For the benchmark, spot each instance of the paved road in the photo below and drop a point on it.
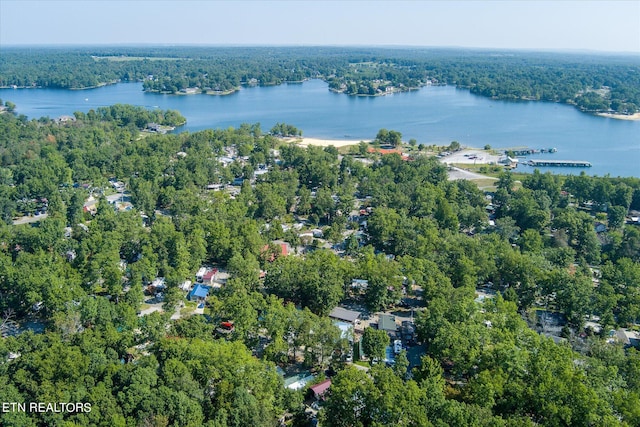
(29, 219)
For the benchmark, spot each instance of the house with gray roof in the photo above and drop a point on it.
(344, 315)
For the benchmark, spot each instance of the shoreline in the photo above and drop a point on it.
(631, 117)
(323, 142)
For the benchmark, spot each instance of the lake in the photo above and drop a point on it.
(431, 115)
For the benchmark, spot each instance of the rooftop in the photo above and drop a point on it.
(340, 313)
(320, 388)
(387, 322)
(296, 382)
(199, 291)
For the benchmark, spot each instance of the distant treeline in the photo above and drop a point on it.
(591, 82)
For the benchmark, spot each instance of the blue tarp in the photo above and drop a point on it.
(199, 291)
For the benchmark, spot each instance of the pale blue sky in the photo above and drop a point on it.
(592, 25)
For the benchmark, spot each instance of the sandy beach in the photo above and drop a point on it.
(305, 142)
(635, 116)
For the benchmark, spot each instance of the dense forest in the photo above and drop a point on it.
(82, 273)
(594, 83)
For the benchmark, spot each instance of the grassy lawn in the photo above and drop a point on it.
(189, 308)
(185, 311)
(488, 184)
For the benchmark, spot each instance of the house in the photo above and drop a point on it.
(90, 208)
(186, 285)
(384, 151)
(226, 160)
(259, 172)
(344, 315)
(199, 293)
(190, 90)
(209, 276)
(215, 187)
(387, 323)
(158, 285)
(282, 246)
(65, 119)
(508, 161)
(628, 338)
(154, 127)
(600, 227)
(320, 389)
(359, 284)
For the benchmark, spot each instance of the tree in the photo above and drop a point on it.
(505, 181)
(352, 396)
(316, 282)
(390, 137)
(401, 365)
(531, 241)
(374, 343)
(616, 216)
(324, 205)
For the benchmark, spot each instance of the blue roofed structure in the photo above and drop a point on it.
(199, 293)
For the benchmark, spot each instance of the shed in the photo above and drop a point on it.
(344, 315)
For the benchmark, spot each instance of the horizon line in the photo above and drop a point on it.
(312, 45)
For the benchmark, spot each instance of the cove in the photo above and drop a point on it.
(431, 115)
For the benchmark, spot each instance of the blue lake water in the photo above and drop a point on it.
(431, 115)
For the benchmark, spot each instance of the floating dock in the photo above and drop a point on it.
(562, 163)
(525, 151)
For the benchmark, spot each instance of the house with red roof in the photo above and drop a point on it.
(283, 247)
(209, 276)
(320, 389)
